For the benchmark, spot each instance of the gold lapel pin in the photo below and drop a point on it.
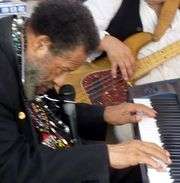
(21, 115)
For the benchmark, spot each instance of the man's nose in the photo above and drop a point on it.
(59, 80)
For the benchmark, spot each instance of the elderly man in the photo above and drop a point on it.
(36, 142)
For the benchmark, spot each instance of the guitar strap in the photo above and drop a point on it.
(167, 14)
(127, 20)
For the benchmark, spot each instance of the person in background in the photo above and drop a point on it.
(117, 20)
(36, 54)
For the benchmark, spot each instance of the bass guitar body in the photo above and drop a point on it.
(94, 84)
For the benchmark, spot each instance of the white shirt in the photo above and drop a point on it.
(104, 10)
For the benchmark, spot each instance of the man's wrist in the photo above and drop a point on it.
(105, 42)
(106, 115)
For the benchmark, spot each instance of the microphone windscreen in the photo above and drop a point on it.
(67, 92)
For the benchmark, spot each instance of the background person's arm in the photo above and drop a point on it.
(118, 53)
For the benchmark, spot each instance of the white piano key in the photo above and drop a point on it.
(155, 176)
(149, 133)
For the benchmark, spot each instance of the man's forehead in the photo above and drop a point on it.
(70, 61)
(77, 52)
(72, 57)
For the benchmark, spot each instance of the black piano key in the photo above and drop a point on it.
(169, 116)
(176, 177)
(167, 132)
(167, 120)
(164, 131)
(176, 161)
(170, 104)
(164, 109)
(164, 101)
(175, 171)
(174, 154)
(170, 142)
(175, 167)
(170, 135)
(168, 146)
(176, 181)
(169, 127)
(171, 139)
(168, 123)
(175, 157)
(160, 101)
(163, 137)
(171, 146)
(167, 110)
(174, 151)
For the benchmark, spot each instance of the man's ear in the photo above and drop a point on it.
(42, 44)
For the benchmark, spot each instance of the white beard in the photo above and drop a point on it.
(32, 79)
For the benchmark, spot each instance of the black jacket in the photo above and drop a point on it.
(22, 158)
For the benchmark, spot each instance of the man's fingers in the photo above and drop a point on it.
(146, 159)
(155, 146)
(157, 153)
(127, 63)
(132, 60)
(114, 68)
(143, 109)
(129, 68)
(131, 56)
(123, 71)
(132, 118)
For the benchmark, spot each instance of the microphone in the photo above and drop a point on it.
(67, 94)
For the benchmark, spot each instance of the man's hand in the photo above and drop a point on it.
(119, 55)
(136, 152)
(126, 113)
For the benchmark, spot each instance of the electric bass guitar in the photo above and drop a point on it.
(93, 81)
